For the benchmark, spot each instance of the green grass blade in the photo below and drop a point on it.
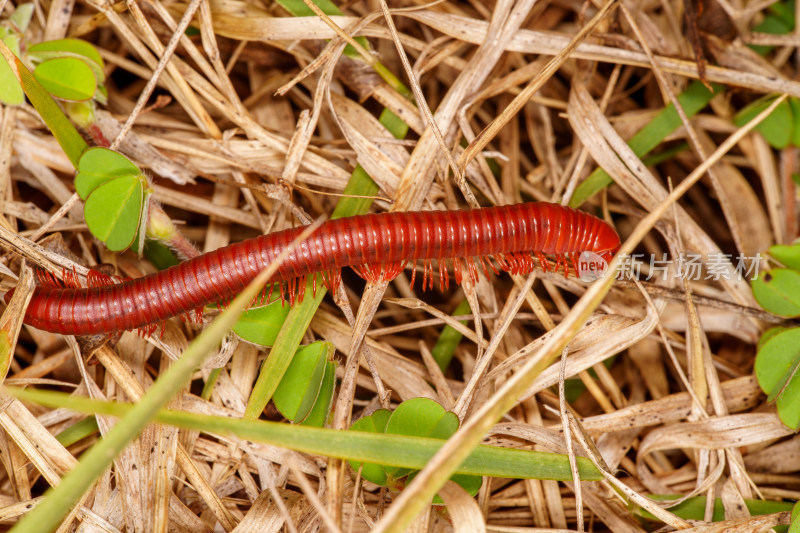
(286, 344)
(394, 450)
(693, 99)
(695, 508)
(59, 500)
(449, 338)
(78, 431)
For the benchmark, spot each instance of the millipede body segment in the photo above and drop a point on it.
(378, 246)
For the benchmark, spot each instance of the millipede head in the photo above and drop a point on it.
(606, 242)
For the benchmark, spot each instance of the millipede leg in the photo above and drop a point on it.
(71, 279)
(301, 288)
(335, 280)
(543, 261)
(95, 278)
(392, 270)
(484, 262)
(362, 271)
(523, 263)
(574, 258)
(473, 269)
(330, 279)
(47, 279)
(559, 263)
(507, 263)
(503, 262)
(457, 269)
(292, 288)
(491, 265)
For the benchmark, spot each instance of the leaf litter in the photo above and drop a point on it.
(700, 428)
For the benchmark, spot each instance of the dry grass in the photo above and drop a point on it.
(542, 92)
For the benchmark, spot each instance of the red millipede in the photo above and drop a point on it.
(377, 246)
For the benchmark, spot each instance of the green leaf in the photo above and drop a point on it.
(67, 78)
(787, 255)
(423, 417)
(777, 128)
(420, 417)
(159, 255)
(11, 39)
(62, 129)
(779, 21)
(113, 211)
(300, 386)
(417, 417)
(776, 361)
(692, 100)
(319, 414)
(778, 291)
(788, 404)
(375, 423)
(73, 46)
(784, 11)
(260, 325)
(794, 524)
(100, 165)
(794, 104)
(767, 335)
(10, 89)
(76, 49)
(471, 484)
(776, 371)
